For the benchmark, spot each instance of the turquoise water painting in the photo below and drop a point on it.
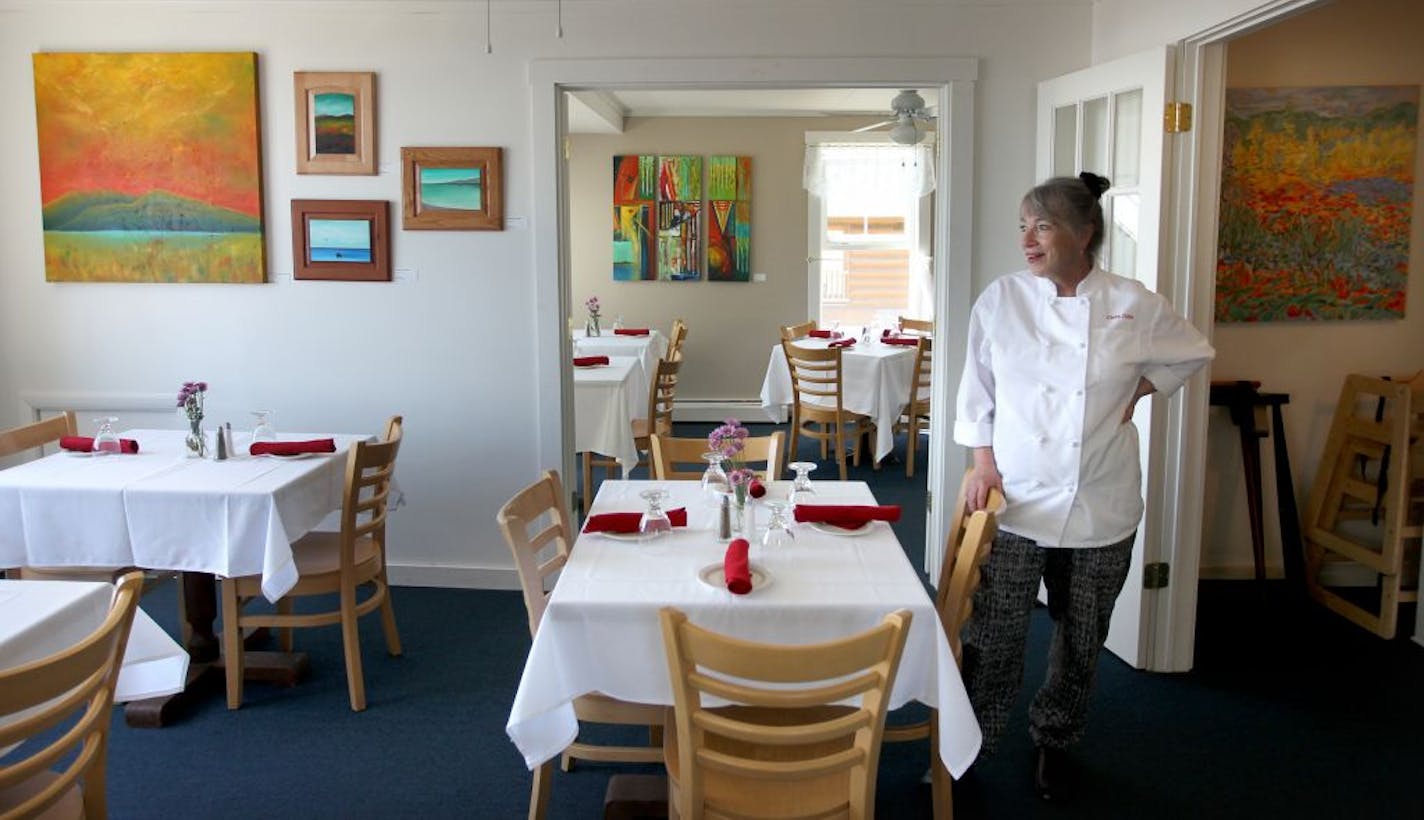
(451, 189)
(340, 240)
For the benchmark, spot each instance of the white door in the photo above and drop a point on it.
(1108, 119)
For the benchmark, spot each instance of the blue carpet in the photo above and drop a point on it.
(1290, 711)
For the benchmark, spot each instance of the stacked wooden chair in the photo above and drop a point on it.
(1366, 508)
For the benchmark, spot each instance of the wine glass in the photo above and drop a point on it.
(835, 328)
(106, 440)
(778, 529)
(801, 490)
(714, 478)
(263, 429)
(654, 522)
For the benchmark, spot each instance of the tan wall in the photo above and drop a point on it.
(1353, 42)
(731, 325)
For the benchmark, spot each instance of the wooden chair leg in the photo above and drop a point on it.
(539, 790)
(566, 762)
(351, 647)
(941, 787)
(232, 644)
(388, 618)
(284, 634)
(840, 450)
(791, 454)
(587, 481)
(910, 446)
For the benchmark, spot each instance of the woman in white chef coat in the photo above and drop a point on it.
(1058, 356)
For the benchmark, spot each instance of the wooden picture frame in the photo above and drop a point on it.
(341, 240)
(336, 122)
(452, 189)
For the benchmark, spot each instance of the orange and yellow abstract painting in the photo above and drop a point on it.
(1317, 188)
(150, 167)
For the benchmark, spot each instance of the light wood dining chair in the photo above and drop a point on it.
(662, 391)
(328, 563)
(668, 452)
(66, 699)
(791, 333)
(916, 327)
(676, 337)
(537, 527)
(774, 753)
(36, 435)
(817, 398)
(916, 415)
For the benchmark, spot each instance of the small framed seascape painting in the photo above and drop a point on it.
(341, 240)
(336, 122)
(452, 189)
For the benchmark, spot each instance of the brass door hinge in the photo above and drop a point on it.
(1177, 117)
(1155, 575)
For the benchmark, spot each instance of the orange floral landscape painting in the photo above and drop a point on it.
(150, 167)
(1317, 189)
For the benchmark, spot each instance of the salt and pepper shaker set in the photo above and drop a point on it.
(724, 522)
(224, 447)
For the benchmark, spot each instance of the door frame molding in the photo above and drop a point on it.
(954, 78)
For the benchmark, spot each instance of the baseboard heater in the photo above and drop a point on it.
(718, 409)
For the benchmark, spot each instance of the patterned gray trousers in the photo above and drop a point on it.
(1082, 586)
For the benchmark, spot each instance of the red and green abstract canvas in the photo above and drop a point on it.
(729, 223)
(1317, 190)
(150, 167)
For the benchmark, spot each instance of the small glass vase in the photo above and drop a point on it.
(741, 513)
(591, 329)
(196, 442)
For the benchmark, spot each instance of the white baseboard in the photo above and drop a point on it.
(719, 409)
(451, 577)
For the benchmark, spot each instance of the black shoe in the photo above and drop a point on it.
(1049, 775)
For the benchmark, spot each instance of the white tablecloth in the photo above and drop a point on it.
(875, 381)
(601, 631)
(40, 618)
(646, 349)
(605, 404)
(161, 510)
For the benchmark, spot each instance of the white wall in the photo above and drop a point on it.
(1123, 27)
(444, 350)
(1352, 42)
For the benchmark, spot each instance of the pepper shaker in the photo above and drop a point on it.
(220, 446)
(724, 522)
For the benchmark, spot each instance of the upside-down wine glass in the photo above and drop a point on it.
(778, 529)
(714, 478)
(654, 522)
(263, 429)
(106, 440)
(801, 490)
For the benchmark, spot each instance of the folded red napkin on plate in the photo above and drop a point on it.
(292, 448)
(736, 569)
(627, 522)
(822, 334)
(631, 331)
(756, 489)
(846, 516)
(85, 444)
(846, 342)
(911, 341)
(589, 361)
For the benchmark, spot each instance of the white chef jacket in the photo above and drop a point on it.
(1046, 380)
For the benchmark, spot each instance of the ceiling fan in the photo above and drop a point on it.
(908, 110)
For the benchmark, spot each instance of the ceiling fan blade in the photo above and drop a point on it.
(865, 128)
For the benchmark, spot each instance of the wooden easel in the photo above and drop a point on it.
(1366, 507)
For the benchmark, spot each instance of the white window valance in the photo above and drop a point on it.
(830, 168)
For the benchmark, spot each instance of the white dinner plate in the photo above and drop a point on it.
(627, 536)
(832, 529)
(712, 575)
(78, 453)
(293, 457)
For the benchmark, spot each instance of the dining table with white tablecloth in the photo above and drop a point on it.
(607, 398)
(875, 381)
(646, 348)
(600, 631)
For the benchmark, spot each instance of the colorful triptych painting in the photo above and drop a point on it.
(150, 167)
(729, 224)
(679, 225)
(1316, 198)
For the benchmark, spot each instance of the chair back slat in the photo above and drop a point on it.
(801, 330)
(538, 506)
(966, 549)
(370, 467)
(36, 435)
(669, 452)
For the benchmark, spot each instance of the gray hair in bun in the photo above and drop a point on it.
(1073, 203)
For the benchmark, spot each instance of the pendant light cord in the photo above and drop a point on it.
(489, 49)
(559, 31)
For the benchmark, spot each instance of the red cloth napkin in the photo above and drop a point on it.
(627, 522)
(846, 342)
(846, 516)
(631, 331)
(900, 340)
(822, 334)
(736, 569)
(589, 361)
(756, 489)
(85, 444)
(292, 448)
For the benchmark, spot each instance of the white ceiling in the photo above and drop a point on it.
(601, 112)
